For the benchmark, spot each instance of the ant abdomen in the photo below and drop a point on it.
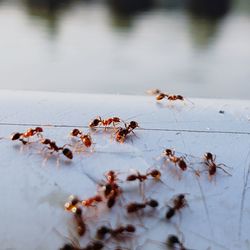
(170, 213)
(111, 202)
(130, 228)
(16, 136)
(132, 177)
(68, 153)
(182, 164)
(172, 240)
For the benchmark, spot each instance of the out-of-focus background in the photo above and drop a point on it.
(198, 48)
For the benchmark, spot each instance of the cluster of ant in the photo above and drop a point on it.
(109, 194)
(110, 190)
(121, 134)
(208, 161)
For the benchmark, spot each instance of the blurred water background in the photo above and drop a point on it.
(198, 48)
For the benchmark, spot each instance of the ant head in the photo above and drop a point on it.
(39, 129)
(133, 124)
(155, 174)
(181, 196)
(16, 136)
(74, 200)
(209, 156)
(130, 228)
(116, 119)
(180, 97)
(45, 141)
(68, 153)
(110, 174)
(168, 152)
(95, 122)
(75, 132)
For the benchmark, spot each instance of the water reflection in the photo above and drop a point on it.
(205, 17)
(211, 9)
(125, 46)
(47, 11)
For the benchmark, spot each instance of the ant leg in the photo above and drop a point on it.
(224, 170)
(141, 189)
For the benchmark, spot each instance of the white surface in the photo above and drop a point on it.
(33, 194)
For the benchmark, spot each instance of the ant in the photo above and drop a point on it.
(94, 245)
(156, 174)
(209, 161)
(170, 154)
(122, 133)
(110, 188)
(99, 121)
(27, 134)
(114, 233)
(135, 207)
(161, 96)
(112, 191)
(52, 146)
(85, 138)
(81, 226)
(179, 202)
(90, 202)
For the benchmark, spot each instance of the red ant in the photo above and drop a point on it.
(54, 148)
(121, 133)
(135, 207)
(156, 174)
(114, 233)
(97, 121)
(90, 202)
(209, 161)
(161, 96)
(170, 154)
(110, 188)
(112, 191)
(81, 226)
(85, 138)
(27, 134)
(179, 202)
